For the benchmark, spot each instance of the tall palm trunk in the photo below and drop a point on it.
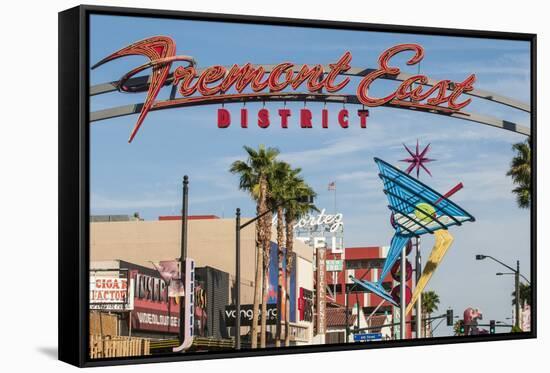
(289, 263)
(265, 227)
(281, 293)
(424, 324)
(265, 294)
(260, 240)
(257, 288)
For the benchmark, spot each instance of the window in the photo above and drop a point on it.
(364, 263)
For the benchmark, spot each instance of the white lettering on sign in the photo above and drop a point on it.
(321, 291)
(334, 222)
(157, 319)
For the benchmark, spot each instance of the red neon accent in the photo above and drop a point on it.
(335, 69)
(453, 190)
(159, 49)
(155, 48)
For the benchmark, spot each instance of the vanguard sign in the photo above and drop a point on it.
(248, 81)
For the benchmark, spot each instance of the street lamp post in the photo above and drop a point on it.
(516, 274)
(238, 280)
(403, 294)
(238, 227)
(516, 278)
(513, 273)
(347, 314)
(418, 274)
(183, 251)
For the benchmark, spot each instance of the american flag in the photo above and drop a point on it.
(332, 185)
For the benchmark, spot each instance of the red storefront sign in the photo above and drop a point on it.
(155, 317)
(153, 310)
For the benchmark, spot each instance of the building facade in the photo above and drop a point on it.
(363, 263)
(133, 245)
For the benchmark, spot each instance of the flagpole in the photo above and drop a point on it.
(335, 198)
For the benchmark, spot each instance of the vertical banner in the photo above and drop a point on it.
(188, 317)
(526, 318)
(320, 323)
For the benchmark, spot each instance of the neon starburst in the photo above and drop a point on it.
(417, 159)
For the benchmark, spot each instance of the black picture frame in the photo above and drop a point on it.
(74, 180)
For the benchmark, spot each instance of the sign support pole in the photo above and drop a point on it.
(403, 292)
(238, 280)
(183, 253)
(418, 271)
(516, 283)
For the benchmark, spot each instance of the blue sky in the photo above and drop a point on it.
(145, 176)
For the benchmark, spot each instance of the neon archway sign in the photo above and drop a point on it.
(260, 83)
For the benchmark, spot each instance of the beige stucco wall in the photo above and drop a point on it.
(211, 243)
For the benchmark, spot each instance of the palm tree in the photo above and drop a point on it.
(281, 172)
(430, 304)
(520, 171)
(286, 185)
(295, 187)
(524, 295)
(254, 179)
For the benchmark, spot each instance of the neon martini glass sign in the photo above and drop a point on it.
(417, 210)
(216, 81)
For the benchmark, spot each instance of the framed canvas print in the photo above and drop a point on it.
(235, 186)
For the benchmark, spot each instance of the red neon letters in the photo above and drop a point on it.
(406, 90)
(217, 79)
(247, 81)
(266, 119)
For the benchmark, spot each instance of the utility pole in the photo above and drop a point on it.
(516, 276)
(347, 314)
(238, 227)
(418, 273)
(183, 253)
(238, 280)
(403, 292)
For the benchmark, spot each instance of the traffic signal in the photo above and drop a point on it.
(450, 317)
(492, 327)
(461, 327)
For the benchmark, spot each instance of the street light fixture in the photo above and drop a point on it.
(516, 274)
(512, 273)
(307, 199)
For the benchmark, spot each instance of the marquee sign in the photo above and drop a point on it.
(321, 283)
(111, 293)
(332, 222)
(249, 81)
(230, 315)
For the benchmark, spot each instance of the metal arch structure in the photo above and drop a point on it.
(141, 83)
